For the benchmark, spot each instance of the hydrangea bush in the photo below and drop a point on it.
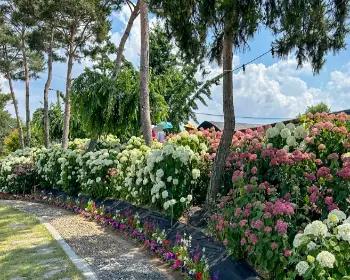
(173, 174)
(322, 251)
(127, 176)
(93, 172)
(48, 166)
(13, 170)
(282, 179)
(281, 182)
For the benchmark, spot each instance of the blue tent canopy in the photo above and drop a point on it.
(165, 125)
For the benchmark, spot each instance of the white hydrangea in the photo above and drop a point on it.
(169, 179)
(286, 148)
(311, 246)
(272, 132)
(165, 194)
(326, 259)
(182, 199)
(196, 174)
(340, 214)
(299, 240)
(175, 182)
(160, 173)
(280, 126)
(166, 205)
(291, 141)
(343, 232)
(285, 133)
(300, 132)
(98, 179)
(302, 267)
(316, 228)
(189, 197)
(290, 126)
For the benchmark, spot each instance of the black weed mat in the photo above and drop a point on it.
(215, 252)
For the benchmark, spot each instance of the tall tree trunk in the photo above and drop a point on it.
(68, 85)
(229, 123)
(125, 36)
(144, 72)
(19, 124)
(46, 94)
(26, 76)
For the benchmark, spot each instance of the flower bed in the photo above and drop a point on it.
(178, 254)
(295, 178)
(278, 179)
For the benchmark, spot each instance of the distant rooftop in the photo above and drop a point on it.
(219, 126)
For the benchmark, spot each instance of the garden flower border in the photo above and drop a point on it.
(221, 266)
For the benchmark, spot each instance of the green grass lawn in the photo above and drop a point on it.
(28, 250)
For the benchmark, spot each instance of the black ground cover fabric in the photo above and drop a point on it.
(215, 252)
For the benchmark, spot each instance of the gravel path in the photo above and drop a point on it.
(109, 255)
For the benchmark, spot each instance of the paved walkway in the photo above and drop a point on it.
(109, 255)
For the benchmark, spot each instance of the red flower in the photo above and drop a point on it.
(199, 275)
(177, 263)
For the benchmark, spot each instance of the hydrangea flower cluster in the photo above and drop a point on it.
(319, 245)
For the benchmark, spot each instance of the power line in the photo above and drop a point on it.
(58, 76)
(261, 118)
(249, 62)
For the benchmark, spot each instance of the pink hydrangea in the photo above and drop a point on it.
(314, 131)
(273, 246)
(258, 224)
(238, 174)
(332, 206)
(344, 173)
(323, 172)
(243, 241)
(246, 212)
(252, 157)
(310, 115)
(238, 212)
(312, 189)
(328, 200)
(242, 223)
(281, 227)
(314, 197)
(287, 253)
(311, 177)
(253, 239)
(318, 162)
(268, 229)
(254, 170)
(248, 188)
(267, 215)
(333, 156)
(287, 197)
(282, 208)
(225, 241)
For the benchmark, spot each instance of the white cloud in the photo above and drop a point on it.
(339, 89)
(267, 92)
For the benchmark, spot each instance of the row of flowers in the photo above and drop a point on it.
(180, 255)
(170, 176)
(289, 182)
(278, 180)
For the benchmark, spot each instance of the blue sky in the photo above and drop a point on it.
(269, 89)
